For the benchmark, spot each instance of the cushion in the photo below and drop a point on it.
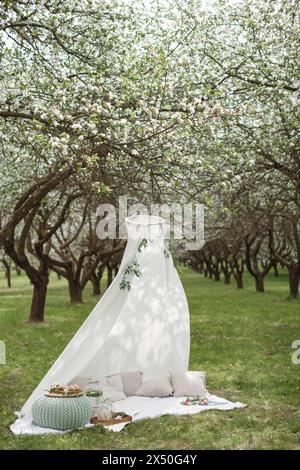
(155, 388)
(116, 382)
(111, 394)
(132, 381)
(189, 383)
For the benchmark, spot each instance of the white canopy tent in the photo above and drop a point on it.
(143, 328)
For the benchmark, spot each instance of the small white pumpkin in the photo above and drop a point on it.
(104, 413)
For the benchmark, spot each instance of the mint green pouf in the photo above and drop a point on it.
(62, 413)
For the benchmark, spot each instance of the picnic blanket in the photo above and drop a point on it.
(139, 408)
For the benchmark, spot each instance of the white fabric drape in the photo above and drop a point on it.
(145, 328)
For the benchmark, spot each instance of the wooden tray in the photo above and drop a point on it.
(111, 422)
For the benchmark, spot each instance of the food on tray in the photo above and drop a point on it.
(61, 390)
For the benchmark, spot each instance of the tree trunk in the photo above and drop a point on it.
(37, 310)
(259, 283)
(75, 291)
(96, 281)
(217, 276)
(109, 276)
(276, 274)
(227, 276)
(96, 288)
(294, 273)
(18, 270)
(7, 272)
(239, 280)
(8, 276)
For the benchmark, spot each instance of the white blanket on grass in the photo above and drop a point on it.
(139, 408)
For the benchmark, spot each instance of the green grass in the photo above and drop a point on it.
(241, 338)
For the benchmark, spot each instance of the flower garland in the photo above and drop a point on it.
(133, 268)
(193, 401)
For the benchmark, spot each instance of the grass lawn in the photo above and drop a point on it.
(241, 338)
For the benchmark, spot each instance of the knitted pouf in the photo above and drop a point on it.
(62, 413)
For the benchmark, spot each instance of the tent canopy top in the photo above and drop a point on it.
(144, 219)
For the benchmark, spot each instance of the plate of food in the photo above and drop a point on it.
(64, 391)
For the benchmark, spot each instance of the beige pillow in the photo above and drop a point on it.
(155, 388)
(111, 394)
(116, 382)
(189, 383)
(132, 381)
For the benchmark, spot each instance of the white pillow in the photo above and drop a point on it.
(189, 383)
(155, 388)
